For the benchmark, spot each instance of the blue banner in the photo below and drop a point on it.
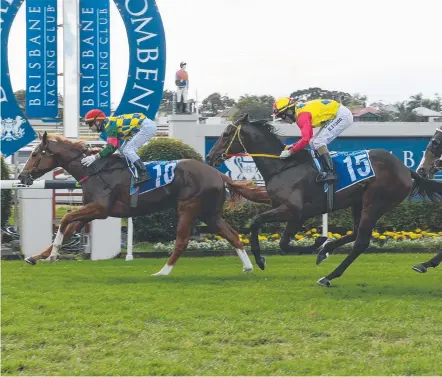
(16, 132)
(41, 59)
(94, 56)
(147, 57)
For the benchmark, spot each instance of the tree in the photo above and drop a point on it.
(20, 96)
(215, 103)
(349, 100)
(258, 107)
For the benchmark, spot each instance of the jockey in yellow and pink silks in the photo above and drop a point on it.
(330, 115)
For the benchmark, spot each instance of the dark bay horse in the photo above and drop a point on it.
(197, 190)
(431, 163)
(296, 197)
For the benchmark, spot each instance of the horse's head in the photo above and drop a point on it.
(247, 136)
(49, 154)
(228, 142)
(432, 162)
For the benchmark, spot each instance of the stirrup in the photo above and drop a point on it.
(323, 178)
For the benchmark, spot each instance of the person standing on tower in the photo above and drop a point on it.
(182, 83)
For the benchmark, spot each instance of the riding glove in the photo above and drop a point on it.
(285, 154)
(89, 160)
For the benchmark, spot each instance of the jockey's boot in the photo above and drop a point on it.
(143, 175)
(328, 174)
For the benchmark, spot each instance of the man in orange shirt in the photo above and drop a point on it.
(182, 83)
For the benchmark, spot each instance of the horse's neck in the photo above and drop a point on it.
(74, 167)
(268, 166)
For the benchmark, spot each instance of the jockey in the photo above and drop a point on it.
(128, 133)
(330, 115)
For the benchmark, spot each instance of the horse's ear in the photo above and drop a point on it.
(39, 135)
(242, 119)
(45, 139)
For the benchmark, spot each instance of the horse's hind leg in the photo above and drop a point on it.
(70, 230)
(329, 246)
(432, 263)
(231, 235)
(187, 212)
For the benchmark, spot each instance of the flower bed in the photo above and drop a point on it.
(418, 239)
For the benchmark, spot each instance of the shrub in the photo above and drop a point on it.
(168, 149)
(161, 226)
(6, 195)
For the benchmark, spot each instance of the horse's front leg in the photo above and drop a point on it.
(432, 263)
(280, 214)
(70, 230)
(86, 213)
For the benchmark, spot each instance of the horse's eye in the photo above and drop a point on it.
(435, 142)
(43, 152)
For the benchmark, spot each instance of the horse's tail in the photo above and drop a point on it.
(245, 189)
(427, 188)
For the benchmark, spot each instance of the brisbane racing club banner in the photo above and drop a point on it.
(16, 132)
(147, 57)
(41, 59)
(94, 56)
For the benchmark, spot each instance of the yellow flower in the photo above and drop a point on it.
(308, 233)
(349, 232)
(315, 231)
(375, 234)
(329, 235)
(382, 237)
(337, 236)
(316, 235)
(218, 237)
(417, 230)
(299, 237)
(245, 242)
(275, 235)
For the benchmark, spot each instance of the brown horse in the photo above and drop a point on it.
(296, 196)
(431, 163)
(197, 190)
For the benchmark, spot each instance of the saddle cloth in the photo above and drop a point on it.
(162, 173)
(350, 167)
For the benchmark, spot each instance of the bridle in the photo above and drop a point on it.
(46, 152)
(237, 135)
(435, 144)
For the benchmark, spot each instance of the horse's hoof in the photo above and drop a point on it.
(321, 258)
(320, 241)
(420, 268)
(324, 282)
(53, 258)
(159, 273)
(31, 261)
(247, 269)
(263, 263)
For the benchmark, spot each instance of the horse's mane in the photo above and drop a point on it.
(266, 126)
(75, 144)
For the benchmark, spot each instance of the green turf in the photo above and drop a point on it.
(208, 318)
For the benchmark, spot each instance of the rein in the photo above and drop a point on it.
(237, 135)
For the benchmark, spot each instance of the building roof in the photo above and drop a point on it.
(359, 111)
(425, 112)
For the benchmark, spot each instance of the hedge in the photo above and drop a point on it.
(6, 195)
(161, 226)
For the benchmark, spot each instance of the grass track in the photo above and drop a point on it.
(113, 318)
